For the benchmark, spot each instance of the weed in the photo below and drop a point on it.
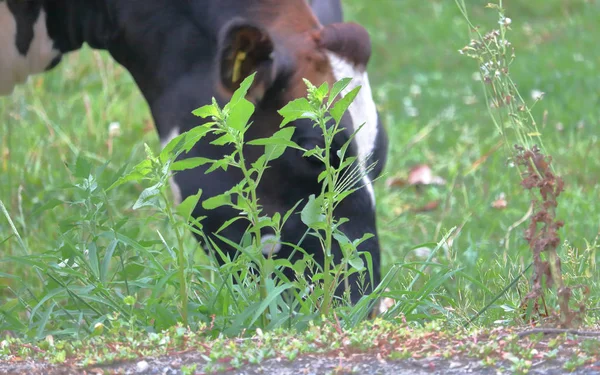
(514, 121)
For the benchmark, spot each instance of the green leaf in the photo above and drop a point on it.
(320, 93)
(48, 205)
(271, 296)
(185, 208)
(133, 270)
(276, 144)
(241, 92)
(136, 174)
(357, 263)
(184, 142)
(218, 201)
(337, 88)
(259, 164)
(228, 223)
(110, 249)
(83, 167)
(311, 213)
(240, 114)
(223, 163)
(223, 140)
(189, 163)
(290, 212)
(337, 111)
(148, 197)
(297, 109)
(208, 110)
(321, 176)
(93, 258)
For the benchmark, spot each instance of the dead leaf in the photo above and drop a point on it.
(395, 182)
(484, 157)
(500, 203)
(431, 206)
(423, 175)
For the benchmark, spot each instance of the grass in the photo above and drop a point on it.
(435, 114)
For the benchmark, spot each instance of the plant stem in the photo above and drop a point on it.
(181, 263)
(253, 216)
(328, 281)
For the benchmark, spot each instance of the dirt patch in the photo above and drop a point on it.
(372, 348)
(306, 365)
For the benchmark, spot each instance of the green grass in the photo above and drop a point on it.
(435, 114)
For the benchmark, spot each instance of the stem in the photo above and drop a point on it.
(328, 280)
(253, 216)
(181, 264)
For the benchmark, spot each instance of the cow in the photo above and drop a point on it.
(181, 54)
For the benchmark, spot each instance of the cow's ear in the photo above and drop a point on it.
(348, 40)
(245, 49)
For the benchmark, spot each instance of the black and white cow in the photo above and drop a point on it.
(181, 52)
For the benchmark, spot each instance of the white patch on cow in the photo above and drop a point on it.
(14, 67)
(174, 187)
(270, 244)
(362, 110)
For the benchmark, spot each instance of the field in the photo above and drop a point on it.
(435, 113)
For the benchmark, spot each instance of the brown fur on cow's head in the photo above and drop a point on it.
(296, 48)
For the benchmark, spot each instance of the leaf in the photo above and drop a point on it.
(241, 92)
(133, 270)
(138, 172)
(422, 175)
(337, 111)
(48, 205)
(228, 223)
(337, 88)
(240, 114)
(311, 213)
(357, 263)
(320, 93)
(148, 197)
(271, 296)
(93, 258)
(500, 203)
(189, 163)
(205, 111)
(183, 142)
(276, 144)
(185, 208)
(223, 163)
(218, 201)
(395, 182)
(223, 140)
(110, 249)
(297, 109)
(281, 137)
(83, 167)
(431, 206)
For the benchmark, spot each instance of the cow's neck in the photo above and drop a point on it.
(142, 47)
(73, 22)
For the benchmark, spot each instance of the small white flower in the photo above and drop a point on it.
(415, 90)
(114, 129)
(537, 94)
(505, 21)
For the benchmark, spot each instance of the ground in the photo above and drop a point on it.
(393, 349)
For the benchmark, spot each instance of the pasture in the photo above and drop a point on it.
(87, 117)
